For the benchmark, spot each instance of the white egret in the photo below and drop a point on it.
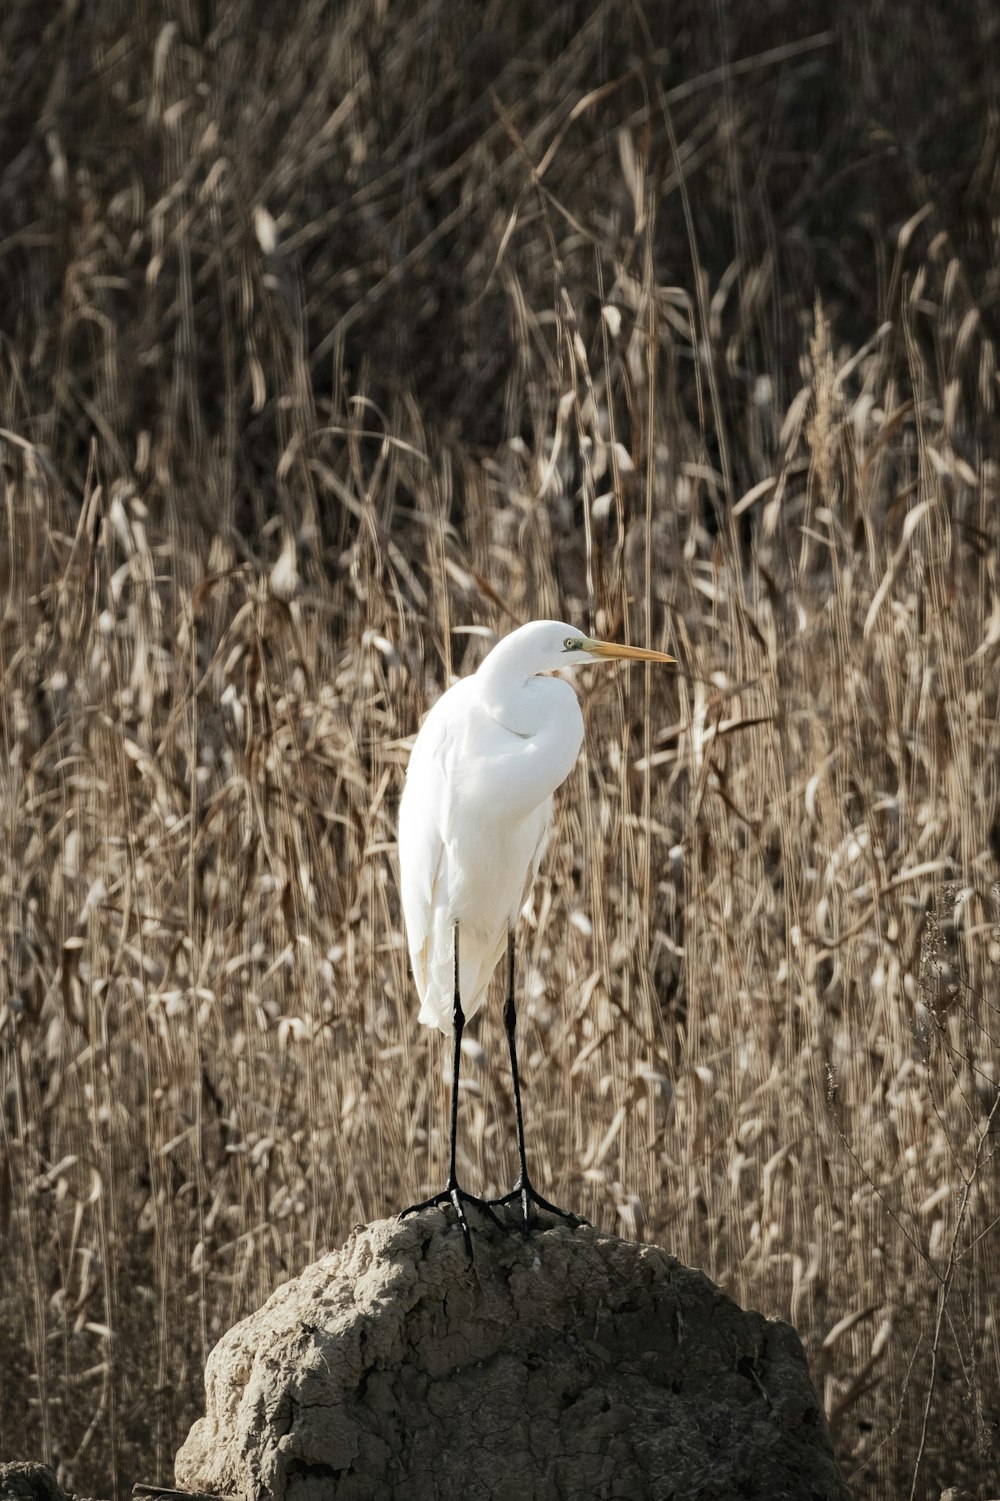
(472, 827)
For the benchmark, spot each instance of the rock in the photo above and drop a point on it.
(572, 1364)
(28, 1481)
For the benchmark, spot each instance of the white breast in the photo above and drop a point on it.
(472, 826)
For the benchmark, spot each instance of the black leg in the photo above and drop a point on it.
(522, 1189)
(452, 1193)
(458, 1027)
(510, 1023)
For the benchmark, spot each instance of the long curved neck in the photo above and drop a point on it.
(502, 680)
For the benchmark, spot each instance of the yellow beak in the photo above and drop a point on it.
(630, 653)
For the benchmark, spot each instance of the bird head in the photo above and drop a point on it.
(538, 647)
(549, 646)
(577, 649)
(556, 645)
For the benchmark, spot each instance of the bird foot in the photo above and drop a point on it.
(457, 1198)
(524, 1194)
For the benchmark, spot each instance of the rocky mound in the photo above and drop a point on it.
(568, 1365)
(572, 1364)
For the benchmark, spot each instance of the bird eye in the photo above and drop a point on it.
(571, 644)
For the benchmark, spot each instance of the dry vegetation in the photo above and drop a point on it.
(330, 346)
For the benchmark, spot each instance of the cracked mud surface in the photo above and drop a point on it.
(571, 1365)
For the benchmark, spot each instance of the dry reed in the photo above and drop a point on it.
(327, 352)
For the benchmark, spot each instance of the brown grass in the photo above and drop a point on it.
(304, 387)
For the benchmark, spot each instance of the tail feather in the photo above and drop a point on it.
(478, 956)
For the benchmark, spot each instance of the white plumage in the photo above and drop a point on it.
(477, 803)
